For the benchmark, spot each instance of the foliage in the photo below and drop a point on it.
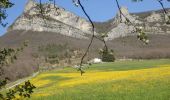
(3, 83)
(142, 35)
(106, 55)
(53, 59)
(7, 56)
(53, 53)
(168, 21)
(51, 49)
(4, 4)
(19, 92)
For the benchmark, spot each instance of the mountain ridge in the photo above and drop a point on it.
(66, 38)
(59, 20)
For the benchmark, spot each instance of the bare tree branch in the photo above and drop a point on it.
(141, 34)
(119, 10)
(162, 5)
(164, 10)
(92, 38)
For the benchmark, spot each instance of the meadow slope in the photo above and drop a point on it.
(121, 80)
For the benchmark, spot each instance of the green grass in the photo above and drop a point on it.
(129, 65)
(121, 80)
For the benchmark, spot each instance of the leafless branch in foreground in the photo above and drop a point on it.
(92, 38)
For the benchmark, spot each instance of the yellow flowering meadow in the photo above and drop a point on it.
(136, 75)
(40, 83)
(93, 77)
(73, 79)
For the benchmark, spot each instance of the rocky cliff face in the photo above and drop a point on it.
(153, 23)
(61, 29)
(60, 21)
(54, 19)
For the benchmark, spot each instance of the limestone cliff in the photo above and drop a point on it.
(60, 21)
(153, 23)
(55, 19)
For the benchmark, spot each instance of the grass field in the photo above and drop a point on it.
(121, 80)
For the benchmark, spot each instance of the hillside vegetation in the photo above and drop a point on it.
(122, 80)
(126, 47)
(63, 38)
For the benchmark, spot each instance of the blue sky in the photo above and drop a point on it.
(99, 10)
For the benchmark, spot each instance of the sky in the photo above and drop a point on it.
(99, 10)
